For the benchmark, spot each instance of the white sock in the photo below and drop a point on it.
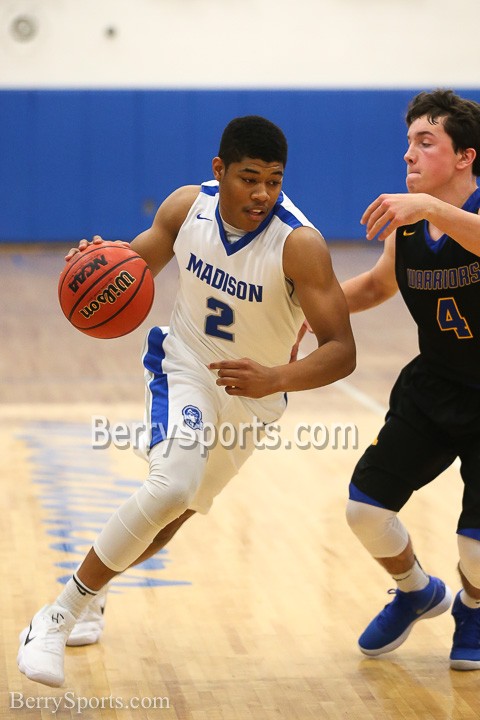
(413, 579)
(75, 596)
(469, 601)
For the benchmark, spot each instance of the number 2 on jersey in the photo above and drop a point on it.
(223, 317)
(449, 318)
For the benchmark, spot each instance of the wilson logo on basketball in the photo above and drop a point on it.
(110, 294)
(86, 271)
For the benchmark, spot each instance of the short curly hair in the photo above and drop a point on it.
(461, 118)
(253, 136)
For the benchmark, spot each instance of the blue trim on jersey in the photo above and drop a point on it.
(434, 245)
(473, 202)
(231, 248)
(211, 190)
(471, 205)
(152, 362)
(355, 494)
(281, 212)
(287, 217)
(473, 533)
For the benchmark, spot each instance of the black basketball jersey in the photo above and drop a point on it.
(440, 283)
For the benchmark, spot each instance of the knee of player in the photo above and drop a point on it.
(357, 514)
(378, 529)
(364, 518)
(172, 492)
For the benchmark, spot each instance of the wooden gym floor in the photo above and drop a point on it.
(252, 612)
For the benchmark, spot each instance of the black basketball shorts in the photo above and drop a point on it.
(431, 421)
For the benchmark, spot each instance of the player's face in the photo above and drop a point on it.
(248, 190)
(430, 157)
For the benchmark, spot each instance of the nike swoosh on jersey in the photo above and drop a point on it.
(406, 234)
(201, 217)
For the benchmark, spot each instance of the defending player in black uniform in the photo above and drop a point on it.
(432, 249)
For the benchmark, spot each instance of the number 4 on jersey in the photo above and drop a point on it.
(449, 318)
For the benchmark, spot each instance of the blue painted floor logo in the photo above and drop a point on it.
(79, 491)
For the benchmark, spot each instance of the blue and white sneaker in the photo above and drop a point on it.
(465, 654)
(391, 627)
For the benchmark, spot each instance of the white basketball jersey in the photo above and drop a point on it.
(234, 300)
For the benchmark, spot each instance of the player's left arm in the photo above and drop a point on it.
(391, 211)
(307, 263)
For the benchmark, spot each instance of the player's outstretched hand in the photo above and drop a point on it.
(246, 377)
(390, 211)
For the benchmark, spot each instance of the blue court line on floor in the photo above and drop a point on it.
(78, 492)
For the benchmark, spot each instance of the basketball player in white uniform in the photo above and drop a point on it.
(252, 267)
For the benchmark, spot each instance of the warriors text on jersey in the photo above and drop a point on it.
(440, 283)
(234, 300)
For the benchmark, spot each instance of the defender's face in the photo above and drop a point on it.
(430, 157)
(248, 190)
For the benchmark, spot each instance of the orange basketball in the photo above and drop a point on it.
(106, 291)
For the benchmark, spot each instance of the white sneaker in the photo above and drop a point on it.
(89, 626)
(42, 645)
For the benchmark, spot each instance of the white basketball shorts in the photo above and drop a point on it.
(183, 401)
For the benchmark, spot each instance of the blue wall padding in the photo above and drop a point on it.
(78, 162)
